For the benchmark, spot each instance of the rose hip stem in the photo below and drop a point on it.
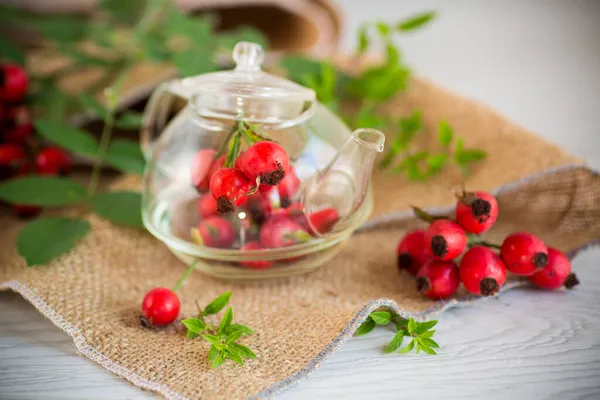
(185, 275)
(424, 215)
(484, 243)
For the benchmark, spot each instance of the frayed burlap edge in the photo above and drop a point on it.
(347, 332)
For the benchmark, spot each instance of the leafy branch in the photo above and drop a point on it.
(420, 333)
(223, 336)
(377, 84)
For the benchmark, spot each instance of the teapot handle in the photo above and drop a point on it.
(155, 116)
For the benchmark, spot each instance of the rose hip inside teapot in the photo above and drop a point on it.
(248, 174)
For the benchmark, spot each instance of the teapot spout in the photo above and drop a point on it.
(332, 200)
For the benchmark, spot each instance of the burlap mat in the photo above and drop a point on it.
(94, 292)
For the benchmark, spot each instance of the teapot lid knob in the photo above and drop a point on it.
(248, 56)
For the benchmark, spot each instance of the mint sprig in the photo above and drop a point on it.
(420, 333)
(223, 336)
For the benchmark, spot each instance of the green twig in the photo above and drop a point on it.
(185, 275)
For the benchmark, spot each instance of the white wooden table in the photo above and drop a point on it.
(538, 62)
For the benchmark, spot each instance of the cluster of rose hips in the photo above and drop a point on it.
(431, 254)
(20, 154)
(262, 186)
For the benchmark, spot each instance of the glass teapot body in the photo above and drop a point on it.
(274, 230)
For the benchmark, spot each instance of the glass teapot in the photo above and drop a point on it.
(277, 225)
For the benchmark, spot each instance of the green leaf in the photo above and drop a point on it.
(408, 128)
(217, 304)
(126, 156)
(212, 339)
(219, 360)
(197, 30)
(429, 342)
(191, 335)
(436, 162)
(194, 325)
(236, 327)
(41, 191)
(408, 348)
(121, 207)
(213, 352)
(412, 325)
(226, 321)
(416, 21)
(379, 83)
(126, 12)
(445, 133)
(244, 351)
(365, 327)
(381, 317)
(47, 237)
(468, 156)
(233, 152)
(50, 100)
(425, 326)
(427, 335)
(298, 66)
(63, 29)
(234, 337)
(254, 135)
(89, 102)
(363, 39)
(424, 347)
(194, 62)
(11, 52)
(84, 59)
(401, 325)
(383, 28)
(395, 343)
(392, 54)
(67, 137)
(227, 40)
(234, 356)
(129, 120)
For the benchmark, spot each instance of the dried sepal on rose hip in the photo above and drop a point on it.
(445, 239)
(523, 253)
(476, 212)
(556, 273)
(482, 271)
(438, 279)
(411, 252)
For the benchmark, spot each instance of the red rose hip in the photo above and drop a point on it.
(261, 264)
(13, 160)
(214, 232)
(322, 221)
(482, 271)
(266, 160)
(13, 83)
(53, 161)
(200, 168)
(160, 306)
(476, 212)
(412, 252)
(445, 239)
(288, 187)
(523, 253)
(229, 187)
(207, 206)
(282, 232)
(556, 273)
(438, 279)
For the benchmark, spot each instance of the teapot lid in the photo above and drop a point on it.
(249, 93)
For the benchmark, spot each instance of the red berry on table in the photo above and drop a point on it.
(412, 252)
(13, 83)
(282, 232)
(229, 187)
(322, 221)
(288, 187)
(13, 160)
(523, 253)
(214, 232)
(200, 168)
(160, 306)
(556, 273)
(445, 239)
(207, 206)
(482, 271)
(266, 160)
(476, 212)
(261, 264)
(438, 279)
(53, 161)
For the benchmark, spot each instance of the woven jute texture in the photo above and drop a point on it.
(94, 292)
